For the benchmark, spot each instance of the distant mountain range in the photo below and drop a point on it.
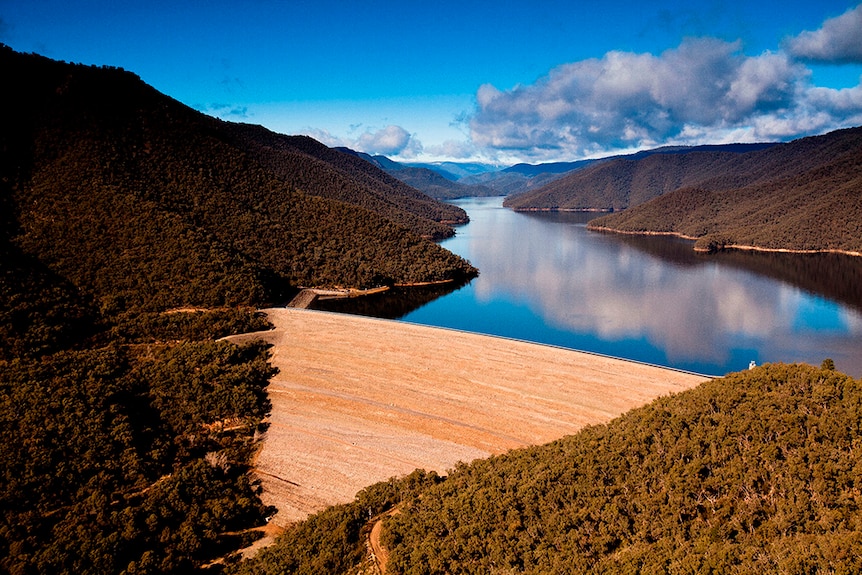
(456, 170)
(431, 179)
(531, 170)
(451, 180)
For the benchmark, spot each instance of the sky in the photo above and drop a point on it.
(489, 81)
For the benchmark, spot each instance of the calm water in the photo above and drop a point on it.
(545, 278)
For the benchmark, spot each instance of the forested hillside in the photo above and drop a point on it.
(318, 170)
(618, 184)
(803, 195)
(129, 458)
(621, 183)
(815, 209)
(756, 472)
(114, 186)
(134, 232)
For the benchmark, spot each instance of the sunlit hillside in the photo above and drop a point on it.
(756, 472)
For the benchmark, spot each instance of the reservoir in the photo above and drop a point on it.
(545, 278)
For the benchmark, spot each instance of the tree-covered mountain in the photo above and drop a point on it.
(331, 173)
(803, 196)
(614, 184)
(137, 200)
(756, 472)
(565, 167)
(544, 186)
(134, 232)
(437, 186)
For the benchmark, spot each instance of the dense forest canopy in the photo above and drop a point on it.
(129, 458)
(342, 175)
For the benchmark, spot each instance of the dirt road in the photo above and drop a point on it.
(359, 400)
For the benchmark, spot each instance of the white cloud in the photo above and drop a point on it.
(704, 91)
(844, 101)
(761, 82)
(838, 40)
(452, 149)
(325, 137)
(389, 141)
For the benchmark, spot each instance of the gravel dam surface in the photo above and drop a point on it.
(359, 400)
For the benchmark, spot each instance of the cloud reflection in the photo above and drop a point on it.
(693, 307)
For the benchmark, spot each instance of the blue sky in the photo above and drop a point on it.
(493, 81)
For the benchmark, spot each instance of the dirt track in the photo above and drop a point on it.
(359, 400)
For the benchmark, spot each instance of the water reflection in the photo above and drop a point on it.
(545, 278)
(831, 276)
(393, 304)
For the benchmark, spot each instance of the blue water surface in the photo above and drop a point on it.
(546, 278)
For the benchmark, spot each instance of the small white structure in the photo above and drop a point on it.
(752, 364)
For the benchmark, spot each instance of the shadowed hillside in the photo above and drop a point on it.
(803, 195)
(135, 231)
(330, 173)
(138, 200)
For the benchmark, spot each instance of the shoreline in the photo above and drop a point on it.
(567, 210)
(358, 400)
(307, 297)
(740, 247)
(426, 284)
